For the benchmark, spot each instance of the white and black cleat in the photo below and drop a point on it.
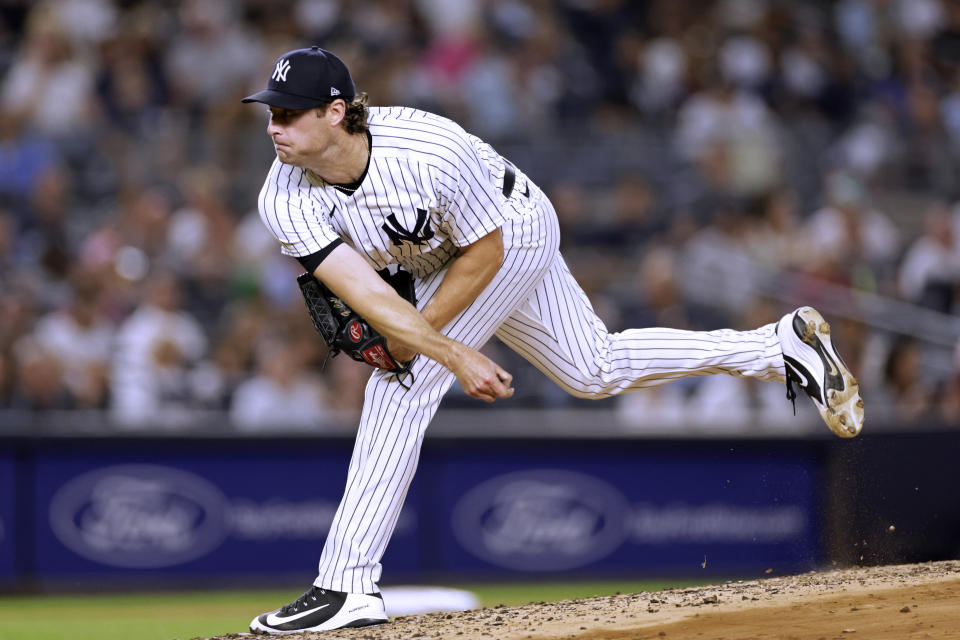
(322, 610)
(812, 362)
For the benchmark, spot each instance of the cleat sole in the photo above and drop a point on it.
(843, 412)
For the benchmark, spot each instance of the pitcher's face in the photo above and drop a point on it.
(298, 134)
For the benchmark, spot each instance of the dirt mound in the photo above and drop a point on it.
(895, 602)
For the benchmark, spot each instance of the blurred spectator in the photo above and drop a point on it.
(214, 381)
(859, 27)
(950, 409)
(908, 393)
(45, 240)
(6, 379)
(950, 113)
(864, 349)
(38, 380)
(773, 229)
(8, 261)
(730, 134)
(726, 404)
(658, 301)
(24, 159)
(48, 84)
(848, 232)
(16, 319)
(718, 270)
(745, 62)
(805, 64)
(868, 145)
(661, 80)
(144, 222)
(658, 410)
(131, 84)
(81, 339)
(194, 246)
(156, 347)
(17, 314)
(930, 271)
(347, 380)
(283, 396)
(212, 54)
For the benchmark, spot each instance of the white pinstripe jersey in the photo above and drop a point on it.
(430, 187)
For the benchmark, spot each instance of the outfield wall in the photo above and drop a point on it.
(149, 511)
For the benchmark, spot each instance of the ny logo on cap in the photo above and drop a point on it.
(280, 71)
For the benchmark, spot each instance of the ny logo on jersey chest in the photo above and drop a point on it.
(420, 233)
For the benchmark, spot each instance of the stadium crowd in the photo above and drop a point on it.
(713, 164)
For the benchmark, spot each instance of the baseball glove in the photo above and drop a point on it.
(343, 329)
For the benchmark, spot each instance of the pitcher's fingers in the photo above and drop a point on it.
(503, 386)
(480, 394)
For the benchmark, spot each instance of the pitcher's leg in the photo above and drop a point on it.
(559, 333)
(392, 426)
(384, 460)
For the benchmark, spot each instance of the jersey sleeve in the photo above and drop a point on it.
(294, 218)
(474, 205)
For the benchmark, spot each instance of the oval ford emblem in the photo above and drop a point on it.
(139, 516)
(541, 520)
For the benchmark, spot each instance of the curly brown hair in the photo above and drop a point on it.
(355, 119)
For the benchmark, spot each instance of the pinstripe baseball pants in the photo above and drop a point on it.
(535, 307)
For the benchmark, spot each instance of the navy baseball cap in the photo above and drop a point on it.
(306, 78)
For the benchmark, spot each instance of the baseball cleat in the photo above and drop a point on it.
(322, 610)
(813, 363)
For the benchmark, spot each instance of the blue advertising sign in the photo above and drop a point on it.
(225, 510)
(7, 506)
(605, 512)
(207, 514)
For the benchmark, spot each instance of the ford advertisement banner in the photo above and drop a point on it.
(654, 513)
(231, 509)
(239, 514)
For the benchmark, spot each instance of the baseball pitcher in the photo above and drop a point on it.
(420, 243)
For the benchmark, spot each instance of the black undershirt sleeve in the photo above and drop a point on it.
(312, 261)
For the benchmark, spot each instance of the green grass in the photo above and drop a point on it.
(152, 616)
(165, 616)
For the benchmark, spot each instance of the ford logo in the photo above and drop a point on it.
(138, 516)
(541, 520)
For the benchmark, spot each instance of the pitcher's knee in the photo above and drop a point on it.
(592, 387)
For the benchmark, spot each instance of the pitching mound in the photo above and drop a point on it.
(896, 602)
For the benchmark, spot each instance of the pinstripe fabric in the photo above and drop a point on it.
(557, 331)
(418, 161)
(535, 307)
(533, 304)
(394, 419)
